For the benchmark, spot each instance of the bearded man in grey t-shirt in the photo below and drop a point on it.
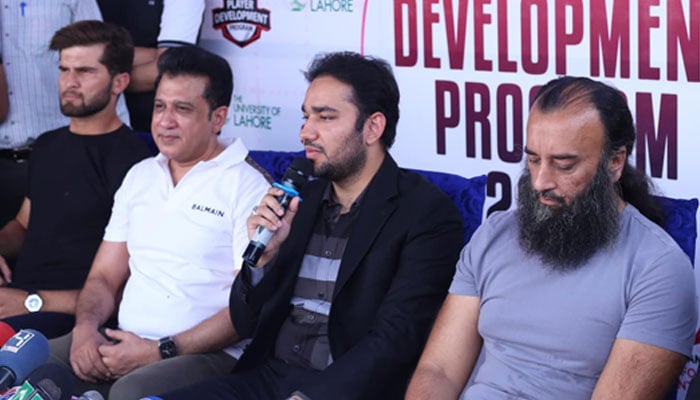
(578, 293)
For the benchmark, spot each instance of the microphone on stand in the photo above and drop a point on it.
(91, 395)
(21, 354)
(6, 332)
(293, 180)
(48, 382)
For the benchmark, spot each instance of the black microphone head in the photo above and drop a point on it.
(53, 381)
(297, 173)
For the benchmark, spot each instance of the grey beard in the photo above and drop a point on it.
(566, 236)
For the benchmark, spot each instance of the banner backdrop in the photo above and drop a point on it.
(467, 71)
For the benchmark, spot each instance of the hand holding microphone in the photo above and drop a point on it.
(269, 223)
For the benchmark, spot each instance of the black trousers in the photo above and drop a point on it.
(51, 324)
(274, 380)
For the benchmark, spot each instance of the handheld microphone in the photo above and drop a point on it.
(48, 382)
(22, 353)
(294, 179)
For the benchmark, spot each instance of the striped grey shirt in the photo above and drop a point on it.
(303, 337)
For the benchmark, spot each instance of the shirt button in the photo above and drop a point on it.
(311, 317)
(327, 253)
(296, 348)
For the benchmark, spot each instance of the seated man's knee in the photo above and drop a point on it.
(131, 386)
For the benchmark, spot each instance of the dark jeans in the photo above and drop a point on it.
(51, 324)
(274, 380)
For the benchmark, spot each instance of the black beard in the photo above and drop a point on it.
(98, 103)
(564, 237)
(353, 159)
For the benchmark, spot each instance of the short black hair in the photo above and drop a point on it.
(118, 55)
(195, 61)
(373, 85)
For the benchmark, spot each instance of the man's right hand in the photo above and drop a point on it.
(271, 215)
(84, 355)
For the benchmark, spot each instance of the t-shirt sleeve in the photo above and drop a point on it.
(180, 22)
(118, 226)
(662, 309)
(464, 281)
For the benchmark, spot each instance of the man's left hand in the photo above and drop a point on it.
(12, 302)
(129, 353)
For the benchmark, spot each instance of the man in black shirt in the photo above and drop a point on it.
(73, 175)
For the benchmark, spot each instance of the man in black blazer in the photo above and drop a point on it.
(343, 297)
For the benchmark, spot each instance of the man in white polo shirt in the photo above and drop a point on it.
(172, 245)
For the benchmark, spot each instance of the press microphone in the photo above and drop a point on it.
(48, 382)
(293, 180)
(91, 395)
(23, 352)
(298, 395)
(6, 332)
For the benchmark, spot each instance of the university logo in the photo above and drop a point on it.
(297, 5)
(241, 21)
(323, 6)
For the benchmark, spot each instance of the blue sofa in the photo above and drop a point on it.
(469, 194)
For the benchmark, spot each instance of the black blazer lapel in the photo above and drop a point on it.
(377, 207)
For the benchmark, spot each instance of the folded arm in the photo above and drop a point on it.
(12, 301)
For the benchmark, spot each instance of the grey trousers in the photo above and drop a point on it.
(152, 379)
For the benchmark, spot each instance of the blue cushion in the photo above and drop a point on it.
(467, 194)
(681, 223)
(275, 162)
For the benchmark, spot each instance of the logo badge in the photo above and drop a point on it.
(16, 342)
(297, 5)
(241, 21)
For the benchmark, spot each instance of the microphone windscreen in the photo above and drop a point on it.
(298, 172)
(23, 352)
(91, 395)
(54, 380)
(6, 332)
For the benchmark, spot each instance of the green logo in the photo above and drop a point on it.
(297, 5)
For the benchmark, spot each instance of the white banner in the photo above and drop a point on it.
(467, 71)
